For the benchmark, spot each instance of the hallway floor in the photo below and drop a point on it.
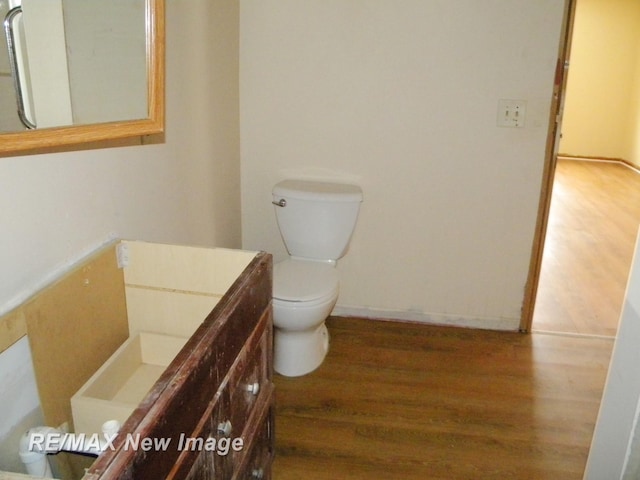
(593, 223)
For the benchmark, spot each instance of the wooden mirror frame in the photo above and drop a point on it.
(75, 137)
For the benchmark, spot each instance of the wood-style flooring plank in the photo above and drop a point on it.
(593, 223)
(406, 401)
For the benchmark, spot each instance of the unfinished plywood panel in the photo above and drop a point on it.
(73, 327)
(121, 383)
(12, 328)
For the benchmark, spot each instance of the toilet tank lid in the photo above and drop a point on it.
(313, 190)
(298, 280)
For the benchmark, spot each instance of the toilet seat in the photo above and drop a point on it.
(304, 281)
(307, 304)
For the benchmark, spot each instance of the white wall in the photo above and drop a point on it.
(634, 127)
(402, 98)
(19, 402)
(56, 208)
(615, 447)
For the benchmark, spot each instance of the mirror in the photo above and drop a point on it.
(80, 73)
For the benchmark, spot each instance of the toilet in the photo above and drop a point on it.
(316, 221)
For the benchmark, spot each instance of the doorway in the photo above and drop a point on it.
(590, 219)
(593, 221)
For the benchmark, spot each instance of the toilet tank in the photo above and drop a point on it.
(317, 218)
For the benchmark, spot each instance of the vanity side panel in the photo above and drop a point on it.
(183, 268)
(170, 313)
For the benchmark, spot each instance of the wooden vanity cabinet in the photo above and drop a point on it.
(218, 387)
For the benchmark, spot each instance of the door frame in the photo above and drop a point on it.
(550, 161)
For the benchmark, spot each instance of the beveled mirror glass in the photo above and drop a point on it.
(80, 72)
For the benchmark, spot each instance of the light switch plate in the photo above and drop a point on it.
(512, 113)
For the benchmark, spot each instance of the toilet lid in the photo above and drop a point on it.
(300, 281)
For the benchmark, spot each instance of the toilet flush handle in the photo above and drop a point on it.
(280, 203)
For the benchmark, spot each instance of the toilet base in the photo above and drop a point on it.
(297, 353)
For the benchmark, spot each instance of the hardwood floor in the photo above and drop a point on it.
(593, 222)
(406, 401)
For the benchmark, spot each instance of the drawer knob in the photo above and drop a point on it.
(257, 473)
(253, 388)
(224, 428)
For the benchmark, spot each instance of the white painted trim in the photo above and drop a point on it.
(574, 334)
(624, 163)
(504, 324)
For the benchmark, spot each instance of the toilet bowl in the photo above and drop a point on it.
(304, 293)
(316, 220)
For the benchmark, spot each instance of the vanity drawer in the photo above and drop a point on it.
(252, 379)
(229, 415)
(208, 464)
(260, 457)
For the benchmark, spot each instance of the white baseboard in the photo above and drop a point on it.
(503, 324)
